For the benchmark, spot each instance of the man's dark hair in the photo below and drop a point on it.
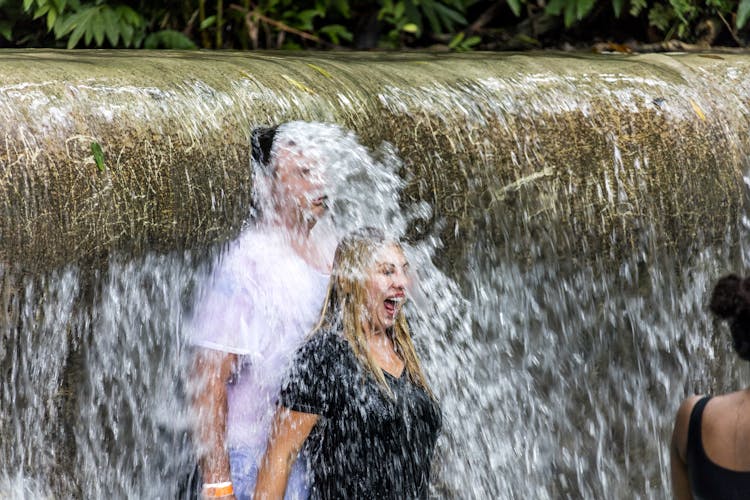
(262, 142)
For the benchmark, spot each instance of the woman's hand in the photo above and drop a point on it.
(290, 429)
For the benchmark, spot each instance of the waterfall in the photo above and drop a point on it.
(567, 215)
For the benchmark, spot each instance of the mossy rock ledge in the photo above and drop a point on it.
(599, 153)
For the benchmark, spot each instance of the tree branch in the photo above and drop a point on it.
(281, 26)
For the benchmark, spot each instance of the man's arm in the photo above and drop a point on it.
(211, 372)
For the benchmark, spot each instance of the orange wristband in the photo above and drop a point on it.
(217, 490)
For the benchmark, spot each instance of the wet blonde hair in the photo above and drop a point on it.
(345, 306)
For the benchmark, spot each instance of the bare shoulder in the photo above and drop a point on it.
(682, 423)
(686, 408)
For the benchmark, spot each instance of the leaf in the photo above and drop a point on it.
(450, 16)
(138, 37)
(570, 14)
(555, 7)
(410, 28)
(429, 12)
(111, 26)
(472, 41)
(583, 7)
(398, 10)
(528, 40)
(76, 35)
(126, 32)
(386, 9)
(130, 16)
(336, 31)
(297, 84)
(306, 18)
(515, 6)
(343, 7)
(697, 109)
(66, 25)
(27, 5)
(51, 19)
(743, 12)
(88, 35)
(6, 30)
(320, 70)
(60, 24)
(168, 39)
(412, 14)
(97, 28)
(291, 45)
(207, 23)
(41, 11)
(660, 17)
(636, 6)
(461, 43)
(456, 41)
(80, 24)
(617, 7)
(96, 150)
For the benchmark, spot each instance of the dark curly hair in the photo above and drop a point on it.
(261, 141)
(730, 301)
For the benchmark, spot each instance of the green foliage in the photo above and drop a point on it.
(680, 18)
(572, 10)
(208, 22)
(168, 39)
(414, 17)
(617, 7)
(637, 6)
(299, 24)
(94, 22)
(460, 43)
(515, 6)
(743, 12)
(337, 33)
(394, 14)
(96, 151)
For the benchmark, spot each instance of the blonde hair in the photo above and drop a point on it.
(345, 306)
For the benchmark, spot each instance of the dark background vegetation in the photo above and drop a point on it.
(616, 25)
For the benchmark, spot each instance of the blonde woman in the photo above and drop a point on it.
(356, 401)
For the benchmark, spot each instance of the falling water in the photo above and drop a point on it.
(565, 224)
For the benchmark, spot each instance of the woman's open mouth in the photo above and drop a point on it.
(392, 304)
(320, 201)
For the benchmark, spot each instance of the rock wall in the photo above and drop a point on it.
(509, 145)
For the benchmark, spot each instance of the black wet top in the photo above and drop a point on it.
(366, 443)
(709, 480)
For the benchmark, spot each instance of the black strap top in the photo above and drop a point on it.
(707, 479)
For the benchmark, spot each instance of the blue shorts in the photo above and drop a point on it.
(244, 469)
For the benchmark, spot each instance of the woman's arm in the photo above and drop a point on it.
(211, 371)
(678, 450)
(290, 429)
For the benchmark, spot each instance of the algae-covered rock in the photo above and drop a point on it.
(593, 146)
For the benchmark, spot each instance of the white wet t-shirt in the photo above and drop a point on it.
(262, 301)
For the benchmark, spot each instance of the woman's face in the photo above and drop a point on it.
(299, 187)
(385, 286)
